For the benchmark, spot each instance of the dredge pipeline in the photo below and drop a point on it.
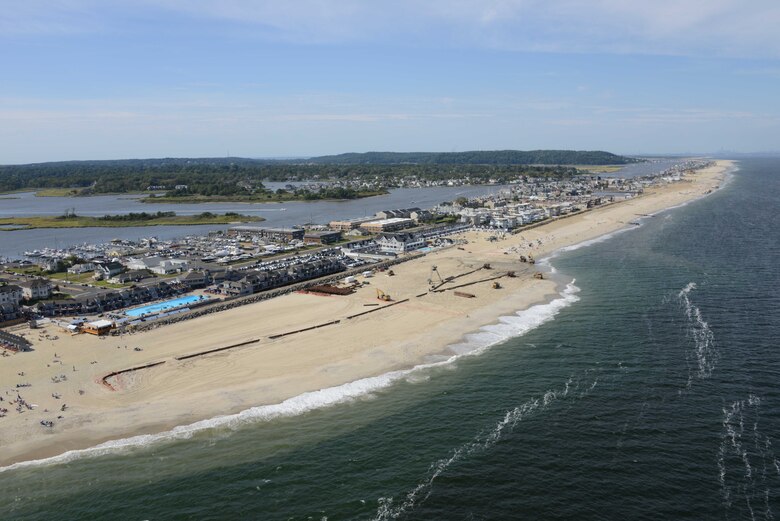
(288, 333)
(377, 309)
(104, 380)
(454, 277)
(218, 349)
(471, 283)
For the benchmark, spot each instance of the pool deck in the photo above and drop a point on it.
(164, 306)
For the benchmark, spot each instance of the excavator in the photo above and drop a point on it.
(381, 295)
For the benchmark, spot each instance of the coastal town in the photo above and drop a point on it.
(161, 304)
(76, 286)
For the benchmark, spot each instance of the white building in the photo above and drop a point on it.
(399, 242)
(158, 265)
(10, 294)
(35, 289)
(78, 269)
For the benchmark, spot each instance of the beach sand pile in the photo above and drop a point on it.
(65, 375)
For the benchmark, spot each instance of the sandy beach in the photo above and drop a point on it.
(65, 375)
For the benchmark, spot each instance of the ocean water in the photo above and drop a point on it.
(650, 389)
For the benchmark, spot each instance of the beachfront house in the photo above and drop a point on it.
(51, 308)
(9, 313)
(36, 289)
(474, 216)
(399, 242)
(10, 294)
(193, 279)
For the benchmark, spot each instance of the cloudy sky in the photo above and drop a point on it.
(101, 79)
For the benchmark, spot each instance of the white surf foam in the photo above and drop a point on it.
(389, 510)
(516, 325)
(704, 352)
(475, 344)
(746, 459)
(545, 261)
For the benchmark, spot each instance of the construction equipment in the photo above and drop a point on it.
(381, 295)
(496, 285)
(464, 294)
(390, 273)
(435, 270)
(487, 266)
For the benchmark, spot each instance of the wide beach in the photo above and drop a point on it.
(269, 371)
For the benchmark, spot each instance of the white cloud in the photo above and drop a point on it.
(700, 27)
(681, 27)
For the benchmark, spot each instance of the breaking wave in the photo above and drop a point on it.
(545, 261)
(748, 469)
(516, 325)
(704, 354)
(474, 344)
(388, 509)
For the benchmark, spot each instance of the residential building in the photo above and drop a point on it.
(387, 225)
(349, 224)
(36, 289)
(10, 294)
(108, 269)
(321, 237)
(391, 214)
(130, 276)
(158, 265)
(399, 242)
(78, 269)
(193, 279)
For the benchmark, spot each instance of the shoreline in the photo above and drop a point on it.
(287, 372)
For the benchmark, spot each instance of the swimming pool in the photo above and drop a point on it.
(163, 306)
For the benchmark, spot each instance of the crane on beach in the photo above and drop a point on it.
(435, 270)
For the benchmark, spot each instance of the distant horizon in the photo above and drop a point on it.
(720, 154)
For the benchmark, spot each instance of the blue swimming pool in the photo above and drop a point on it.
(163, 306)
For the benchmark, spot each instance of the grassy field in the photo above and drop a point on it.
(75, 221)
(599, 169)
(56, 192)
(260, 198)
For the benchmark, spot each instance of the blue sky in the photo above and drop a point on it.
(89, 79)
